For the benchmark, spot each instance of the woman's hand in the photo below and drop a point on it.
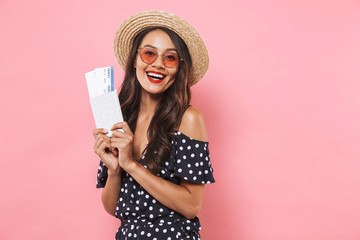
(105, 151)
(123, 142)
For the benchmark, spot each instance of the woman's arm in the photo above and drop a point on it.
(111, 192)
(108, 155)
(185, 198)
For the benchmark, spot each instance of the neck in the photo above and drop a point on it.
(148, 104)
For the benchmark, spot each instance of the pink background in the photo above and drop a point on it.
(281, 101)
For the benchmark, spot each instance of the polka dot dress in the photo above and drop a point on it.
(141, 215)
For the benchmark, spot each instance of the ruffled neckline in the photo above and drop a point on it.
(178, 133)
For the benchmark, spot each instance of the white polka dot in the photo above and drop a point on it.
(161, 210)
(184, 157)
(194, 178)
(181, 148)
(145, 204)
(200, 172)
(151, 216)
(206, 171)
(149, 234)
(192, 155)
(151, 208)
(117, 208)
(154, 201)
(156, 229)
(164, 231)
(191, 171)
(129, 234)
(185, 178)
(178, 161)
(179, 170)
(172, 229)
(169, 238)
(196, 164)
(188, 228)
(201, 154)
(184, 141)
(146, 196)
(137, 208)
(189, 165)
(189, 147)
(201, 163)
(197, 145)
(167, 163)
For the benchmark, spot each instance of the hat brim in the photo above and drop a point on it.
(135, 24)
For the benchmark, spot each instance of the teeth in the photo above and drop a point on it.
(155, 75)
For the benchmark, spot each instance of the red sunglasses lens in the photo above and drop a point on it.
(148, 55)
(171, 60)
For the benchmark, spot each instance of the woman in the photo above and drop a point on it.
(154, 166)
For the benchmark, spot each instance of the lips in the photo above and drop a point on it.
(155, 77)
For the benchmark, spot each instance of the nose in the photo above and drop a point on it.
(159, 63)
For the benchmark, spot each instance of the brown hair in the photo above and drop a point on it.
(168, 113)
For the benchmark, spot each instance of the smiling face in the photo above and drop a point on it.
(156, 78)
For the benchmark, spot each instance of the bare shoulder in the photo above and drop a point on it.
(193, 124)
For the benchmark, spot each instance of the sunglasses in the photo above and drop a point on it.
(149, 55)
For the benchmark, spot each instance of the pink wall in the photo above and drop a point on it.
(281, 101)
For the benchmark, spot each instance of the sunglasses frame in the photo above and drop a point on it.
(157, 55)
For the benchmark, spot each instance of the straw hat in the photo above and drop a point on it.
(143, 20)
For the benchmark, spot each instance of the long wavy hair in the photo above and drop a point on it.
(170, 110)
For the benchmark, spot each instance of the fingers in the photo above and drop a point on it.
(98, 131)
(101, 142)
(118, 134)
(124, 126)
(123, 145)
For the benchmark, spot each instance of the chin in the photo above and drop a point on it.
(155, 88)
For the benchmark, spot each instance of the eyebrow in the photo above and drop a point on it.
(168, 49)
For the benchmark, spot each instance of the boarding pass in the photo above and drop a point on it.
(104, 100)
(100, 81)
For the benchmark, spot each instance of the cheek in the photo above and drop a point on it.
(173, 73)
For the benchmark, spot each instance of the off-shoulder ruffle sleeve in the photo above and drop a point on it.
(190, 160)
(101, 175)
